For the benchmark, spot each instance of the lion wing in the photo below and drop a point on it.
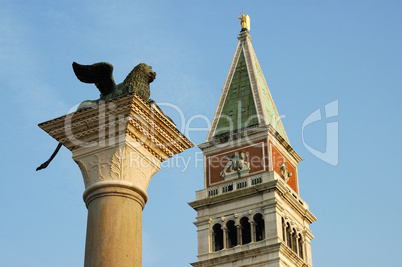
(101, 74)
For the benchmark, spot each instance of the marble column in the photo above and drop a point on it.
(118, 147)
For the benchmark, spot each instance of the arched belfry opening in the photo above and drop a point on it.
(217, 237)
(231, 233)
(300, 246)
(289, 239)
(245, 230)
(259, 227)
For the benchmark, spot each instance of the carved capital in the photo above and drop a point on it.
(127, 166)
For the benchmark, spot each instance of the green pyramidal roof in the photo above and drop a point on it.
(239, 109)
(245, 100)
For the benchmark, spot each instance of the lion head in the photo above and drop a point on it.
(147, 70)
(138, 81)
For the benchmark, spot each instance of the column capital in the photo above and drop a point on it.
(121, 167)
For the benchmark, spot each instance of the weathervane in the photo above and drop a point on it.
(245, 22)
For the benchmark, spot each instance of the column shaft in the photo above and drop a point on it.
(114, 229)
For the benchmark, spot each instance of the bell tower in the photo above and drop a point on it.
(250, 212)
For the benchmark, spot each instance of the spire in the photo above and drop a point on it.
(245, 100)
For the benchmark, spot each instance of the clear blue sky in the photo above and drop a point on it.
(311, 53)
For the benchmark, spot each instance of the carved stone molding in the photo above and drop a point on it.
(115, 121)
(128, 165)
(120, 143)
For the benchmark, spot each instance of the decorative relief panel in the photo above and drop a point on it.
(236, 163)
(282, 166)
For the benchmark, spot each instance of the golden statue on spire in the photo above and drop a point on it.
(245, 21)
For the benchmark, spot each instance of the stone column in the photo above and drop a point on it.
(239, 237)
(284, 235)
(118, 147)
(225, 237)
(252, 230)
(116, 179)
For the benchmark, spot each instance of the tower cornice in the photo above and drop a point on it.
(275, 184)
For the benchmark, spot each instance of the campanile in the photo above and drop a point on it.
(250, 212)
